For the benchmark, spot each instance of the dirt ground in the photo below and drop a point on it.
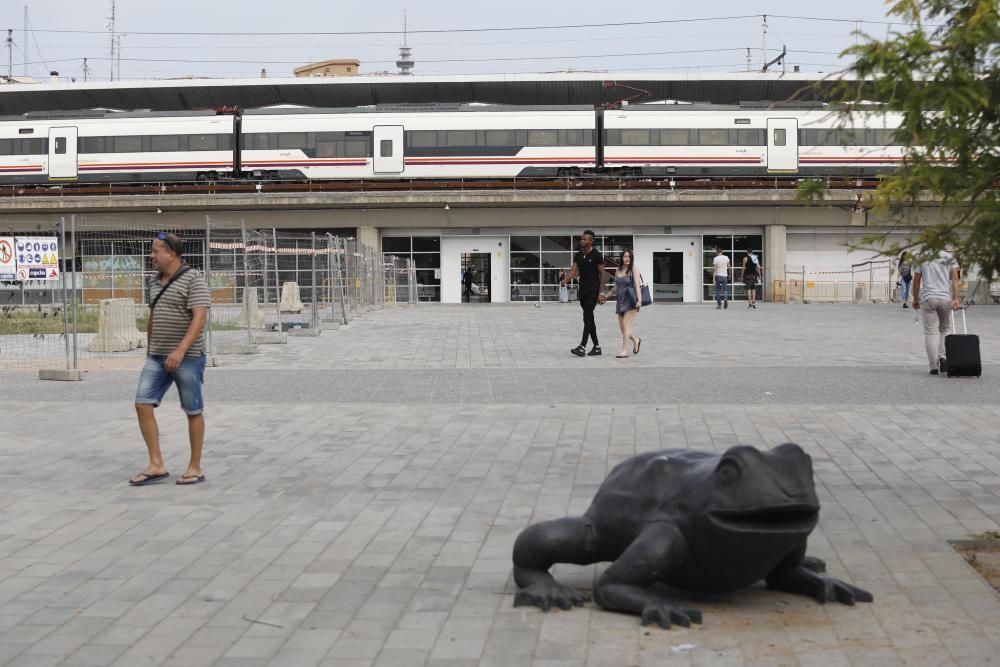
(986, 560)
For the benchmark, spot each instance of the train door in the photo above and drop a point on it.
(62, 153)
(782, 145)
(388, 149)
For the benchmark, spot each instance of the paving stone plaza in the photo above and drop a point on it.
(365, 488)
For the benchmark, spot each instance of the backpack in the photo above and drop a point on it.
(904, 272)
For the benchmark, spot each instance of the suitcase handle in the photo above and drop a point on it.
(965, 329)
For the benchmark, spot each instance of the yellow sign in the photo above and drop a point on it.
(357, 283)
(810, 285)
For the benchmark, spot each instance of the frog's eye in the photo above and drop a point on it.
(728, 473)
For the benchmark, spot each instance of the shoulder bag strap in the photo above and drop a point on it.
(167, 286)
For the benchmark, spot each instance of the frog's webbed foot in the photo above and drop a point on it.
(546, 594)
(806, 581)
(665, 615)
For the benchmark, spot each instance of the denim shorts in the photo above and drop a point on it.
(189, 376)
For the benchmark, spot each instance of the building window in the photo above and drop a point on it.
(425, 253)
(734, 247)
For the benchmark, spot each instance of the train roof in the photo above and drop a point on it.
(550, 88)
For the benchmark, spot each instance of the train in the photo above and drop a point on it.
(471, 141)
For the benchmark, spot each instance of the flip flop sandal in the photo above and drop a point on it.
(188, 480)
(149, 479)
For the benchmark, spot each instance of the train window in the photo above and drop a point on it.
(424, 138)
(635, 138)
(780, 138)
(713, 137)
(578, 138)
(34, 146)
(92, 144)
(292, 140)
(818, 137)
(884, 138)
(500, 137)
(385, 148)
(850, 137)
(60, 148)
(164, 143)
(543, 137)
(202, 142)
(326, 149)
(6, 146)
(356, 148)
(127, 144)
(461, 138)
(674, 137)
(750, 138)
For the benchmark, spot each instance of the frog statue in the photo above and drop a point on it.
(693, 520)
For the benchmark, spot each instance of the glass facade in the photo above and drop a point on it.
(537, 261)
(425, 251)
(734, 247)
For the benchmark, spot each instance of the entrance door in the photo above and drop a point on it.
(476, 265)
(62, 153)
(782, 145)
(668, 276)
(388, 149)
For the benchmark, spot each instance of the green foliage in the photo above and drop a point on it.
(941, 73)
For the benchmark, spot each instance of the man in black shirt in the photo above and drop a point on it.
(589, 264)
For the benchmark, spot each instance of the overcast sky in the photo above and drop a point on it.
(718, 44)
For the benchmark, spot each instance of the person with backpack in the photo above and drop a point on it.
(751, 276)
(175, 347)
(904, 266)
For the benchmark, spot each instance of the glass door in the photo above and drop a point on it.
(476, 277)
(668, 277)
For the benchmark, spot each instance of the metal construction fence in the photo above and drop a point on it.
(265, 284)
(874, 281)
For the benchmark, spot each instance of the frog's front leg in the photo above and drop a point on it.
(807, 576)
(624, 586)
(542, 545)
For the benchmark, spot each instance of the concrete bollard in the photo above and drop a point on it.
(291, 300)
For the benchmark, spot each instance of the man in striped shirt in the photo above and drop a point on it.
(179, 303)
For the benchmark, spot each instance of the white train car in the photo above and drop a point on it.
(686, 140)
(115, 147)
(435, 142)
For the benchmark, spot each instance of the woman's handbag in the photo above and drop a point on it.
(647, 300)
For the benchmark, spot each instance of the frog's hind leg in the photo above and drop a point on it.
(542, 545)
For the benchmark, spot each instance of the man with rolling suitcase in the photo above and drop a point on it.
(935, 295)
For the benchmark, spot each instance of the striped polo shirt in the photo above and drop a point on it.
(173, 313)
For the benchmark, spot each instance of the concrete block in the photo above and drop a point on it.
(116, 328)
(237, 348)
(60, 374)
(304, 331)
(291, 301)
(269, 338)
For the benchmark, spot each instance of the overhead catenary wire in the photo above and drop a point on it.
(565, 26)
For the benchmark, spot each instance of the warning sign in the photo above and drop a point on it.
(37, 258)
(8, 262)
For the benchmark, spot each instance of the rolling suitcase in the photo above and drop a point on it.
(962, 351)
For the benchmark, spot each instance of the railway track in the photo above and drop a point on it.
(423, 185)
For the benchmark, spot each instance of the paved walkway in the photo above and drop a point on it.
(365, 488)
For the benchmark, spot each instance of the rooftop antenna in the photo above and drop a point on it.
(24, 48)
(763, 47)
(112, 40)
(10, 53)
(749, 59)
(405, 62)
(86, 70)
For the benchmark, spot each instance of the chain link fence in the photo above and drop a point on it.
(265, 284)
